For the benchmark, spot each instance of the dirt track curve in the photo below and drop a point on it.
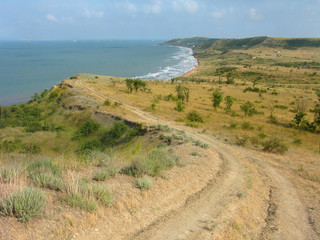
(246, 199)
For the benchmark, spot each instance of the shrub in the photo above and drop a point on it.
(248, 108)
(102, 194)
(179, 107)
(274, 145)
(53, 96)
(48, 180)
(201, 144)
(9, 175)
(262, 135)
(30, 148)
(107, 102)
(242, 140)
(102, 175)
(79, 200)
(43, 166)
(90, 145)
(297, 141)
(144, 183)
(194, 116)
(247, 126)
(229, 102)
(111, 137)
(153, 165)
(217, 97)
(23, 205)
(87, 129)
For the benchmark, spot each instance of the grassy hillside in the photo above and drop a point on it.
(246, 43)
(75, 154)
(191, 42)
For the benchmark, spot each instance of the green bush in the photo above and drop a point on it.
(242, 140)
(229, 102)
(194, 116)
(248, 108)
(217, 98)
(102, 194)
(90, 145)
(247, 126)
(179, 107)
(86, 129)
(30, 148)
(53, 95)
(23, 205)
(107, 102)
(111, 137)
(274, 145)
(144, 183)
(262, 135)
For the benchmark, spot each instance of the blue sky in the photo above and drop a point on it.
(157, 19)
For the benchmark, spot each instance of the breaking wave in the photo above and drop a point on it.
(184, 62)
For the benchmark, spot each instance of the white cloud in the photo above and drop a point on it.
(154, 8)
(129, 6)
(51, 17)
(189, 5)
(254, 15)
(218, 13)
(91, 13)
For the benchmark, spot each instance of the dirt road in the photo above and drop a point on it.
(246, 199)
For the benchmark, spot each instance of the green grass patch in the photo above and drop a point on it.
(81, 201)
(48, 180)
(154, 164)
(23, 205)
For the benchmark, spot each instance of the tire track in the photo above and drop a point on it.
(286, 216)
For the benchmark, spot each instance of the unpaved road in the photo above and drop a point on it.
(246, 199)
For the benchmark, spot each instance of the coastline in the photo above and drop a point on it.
(184, 70)
(195, 67)
(192, 70)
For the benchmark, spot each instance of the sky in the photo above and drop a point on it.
(157, 19)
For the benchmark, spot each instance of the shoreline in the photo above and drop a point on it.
(195, 68)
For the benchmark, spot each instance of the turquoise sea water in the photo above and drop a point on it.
(31, 66)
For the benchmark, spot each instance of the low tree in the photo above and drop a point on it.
(179, 107)
(186, 92)
(217, 98)
(183, 93)
(248, 108)
(229, 102)
(271, 107)
(256, 80)
(230, 78)
(301, 108)
(129, 84)
(317, 110)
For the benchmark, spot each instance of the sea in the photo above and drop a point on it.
(27, 67)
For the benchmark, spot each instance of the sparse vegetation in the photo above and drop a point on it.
(274, 145)
(144, 183)
(24, 204)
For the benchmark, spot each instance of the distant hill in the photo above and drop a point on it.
(226, 44)
(201, 43)
(191, 42)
